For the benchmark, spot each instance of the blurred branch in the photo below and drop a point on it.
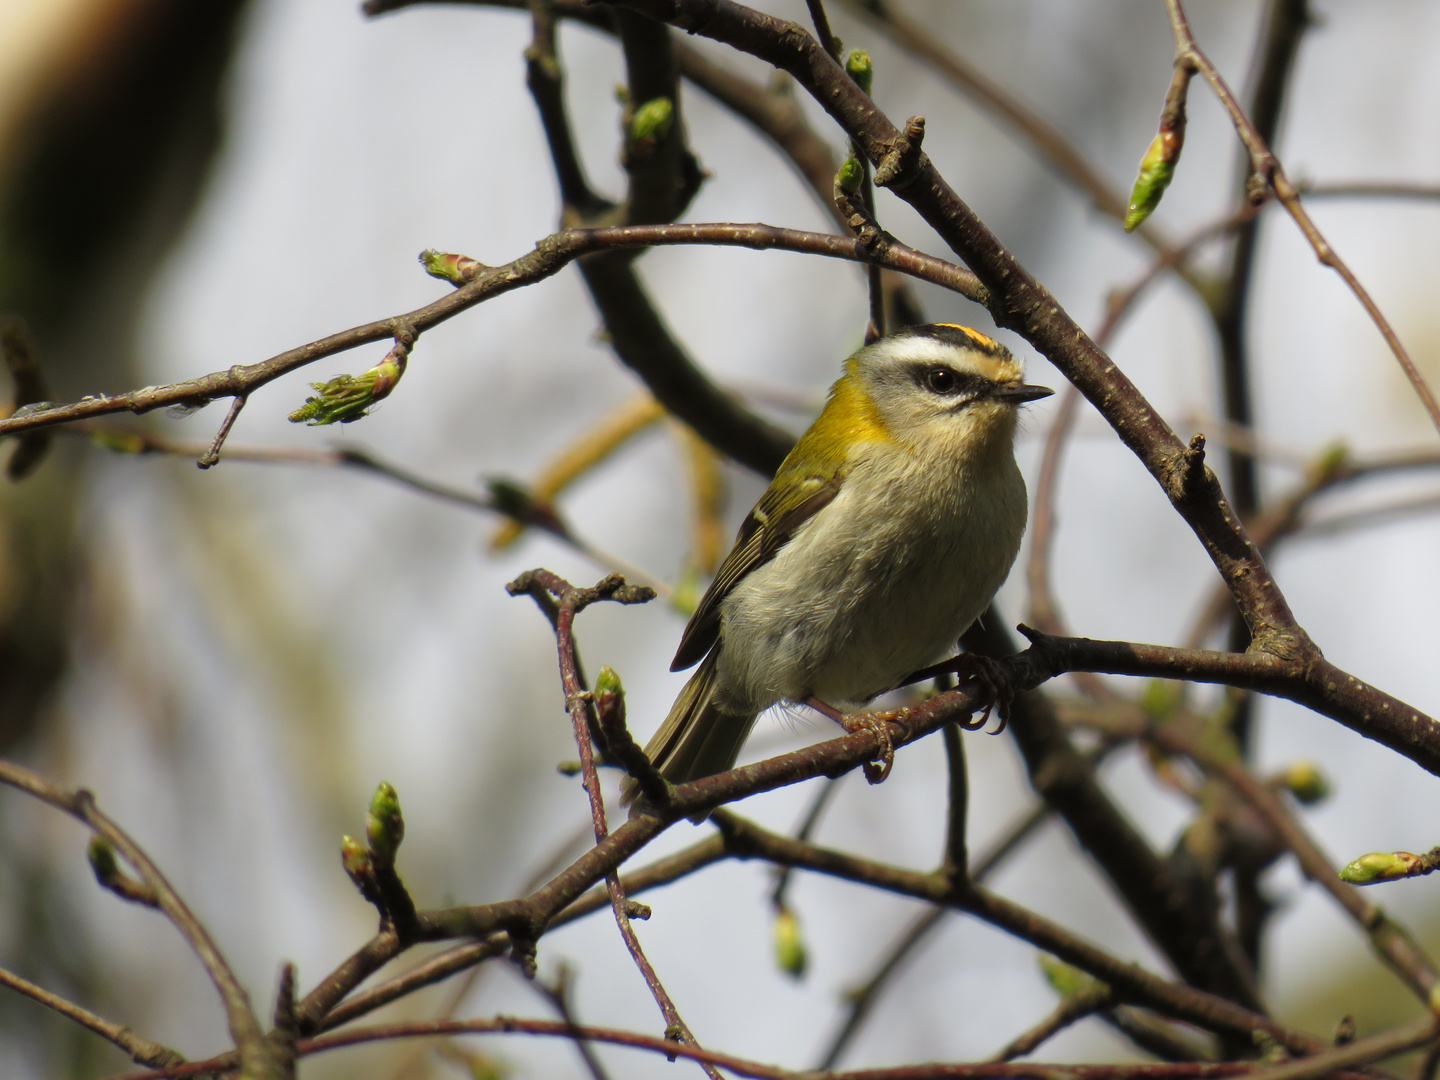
(861, 1000)
(250, 1040)
(141, 1051)
(17, 350)
(1332, 1062)
(1044, 612)
(1331, 468)
(558, 994)
(1392, 942)
(1267, 175)
(523, 508)
(1130, 983)
(1072, 1008)
(1368, 189)
(1285, 24)
(1179, 915)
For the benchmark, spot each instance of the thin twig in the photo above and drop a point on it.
(804, 832)
(212, 454)
(1044, 611)
(861, 1000)
(130, 440)
(1072, 1008)
(581, 705)
(80, 804)
(709, 410)
(956, 859)
(141, 1051)
(558, 995)
(1330, 1061)
(1267, 171)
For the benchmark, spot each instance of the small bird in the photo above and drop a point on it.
(883, 536)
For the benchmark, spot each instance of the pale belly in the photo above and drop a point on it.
(856, 602)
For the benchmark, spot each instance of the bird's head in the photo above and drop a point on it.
(940, 387)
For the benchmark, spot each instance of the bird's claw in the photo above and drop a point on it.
(878, 724)
(994, 682)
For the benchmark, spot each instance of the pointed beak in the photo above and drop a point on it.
(1018, 393)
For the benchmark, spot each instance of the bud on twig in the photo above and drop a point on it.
(609, 698)
(1381, 866)
(651, 121)
(356, 859)
(1157, 167)
(1306, 782)
(850, 176)
(790, 955)
(859, 68)
(448, 266)
(346, 398)
(384, 824)
(1066, 980)
(108, 873)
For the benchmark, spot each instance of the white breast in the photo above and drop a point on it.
(876, 585)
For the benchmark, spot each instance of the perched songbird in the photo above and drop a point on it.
(883, 536)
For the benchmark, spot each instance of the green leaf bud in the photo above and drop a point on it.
(652, 120)
(1306, 782)
(355, 857)
(608, 681)
(456, 269)
(1380, 866)
(103, 861)
(850, 176)
(384, 824)
(346, 398)
(609, 698)
(1065, 979)
(790, 955)
(859, 68)
(1157, 169)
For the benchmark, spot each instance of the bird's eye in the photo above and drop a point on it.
(941, 380)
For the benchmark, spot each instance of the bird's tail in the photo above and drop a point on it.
(698, 738)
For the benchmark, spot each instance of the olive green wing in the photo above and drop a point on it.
(788, 503)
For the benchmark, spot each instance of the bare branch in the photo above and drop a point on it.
(141, 1051)
(80, 804)
(1267, 173)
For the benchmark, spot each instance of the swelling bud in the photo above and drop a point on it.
(346, 398)
(447, 266)
(384, 824)
(1157, 169)
(859, 68)
(790, 955)
(1306, 782)
(1381, 866)
(652, 120)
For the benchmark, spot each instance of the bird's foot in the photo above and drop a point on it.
(993, 680)
(877, 723)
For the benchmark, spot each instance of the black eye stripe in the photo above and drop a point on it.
(945, 381)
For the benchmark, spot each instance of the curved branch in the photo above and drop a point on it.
(244, 1026)
(689, 395)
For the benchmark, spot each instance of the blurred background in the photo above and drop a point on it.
(233, 659)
